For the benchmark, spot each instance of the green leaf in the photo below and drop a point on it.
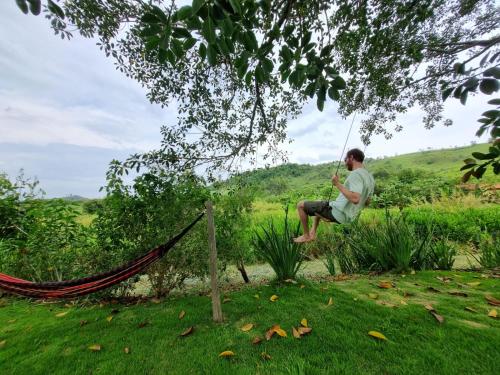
(202, 51)
(468, 166)
(184, 12)
(459, 68)
(288, 31)
(470, 161)
(259, 74)
(149, 18)
(339, 83)
(463, 97)
(150, 31)
(293, 78)
(488, 86)
(35, 7)
(333, 94)
(267, 64)
(492, 72)
(494, 101)
(492, 114)
(286, 53)
(320, 103)
(196, 6)
(332, 72)
(212, 54)
(471, 83)
(466, 176)
(478, 173)
(250, 41)
(326, 50)
(171, 57)
(458, 92)
(496, 168)
(242, 69)
(480, 156)
(227, 27)
(189, 43)
(152, 43)
(309, 90)
(23, 5)
(248, 78)
(56, 9)
(180, 32)
(446, 93)
(208, 30)
(235, 4)
(224, 49)
(177, 48)
(322, 91)
(481, 131)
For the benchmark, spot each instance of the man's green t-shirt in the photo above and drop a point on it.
(359, 181)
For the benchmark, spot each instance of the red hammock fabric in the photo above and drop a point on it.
(91, 284)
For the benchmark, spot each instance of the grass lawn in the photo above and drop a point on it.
(34, 340)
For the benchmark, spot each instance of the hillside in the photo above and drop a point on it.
(444, 164)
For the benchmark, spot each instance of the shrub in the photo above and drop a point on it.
(391, 244)
(276, 246)
(442, 254)
(489, 252)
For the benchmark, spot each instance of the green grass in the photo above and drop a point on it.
(38, 342)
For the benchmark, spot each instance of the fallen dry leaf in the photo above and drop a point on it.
(302, 286)
(247, 327)
(126, 350)
(388, 304)
(385, 284)
(433, 290)
(181, 314)
(12, 321)
(155, 300)
(492, 301)
(471, 309)
(115, 311)
(265, 356)
(291, 281)
(373, 295)
(95, 347)
(257, 340)
(269, 334)
(429, 308)
(60, 315)
(456, 293)
(444, 279)
(377, 335)
(226, 300)
(2, 343)
(408, 294)
(330, 302)
(412, 272)
(83, 322)
(403, 302)
(303, 322)
(273, 298)
(143, 324)
(438, 317)
(295, 333)
(493, 314)
(187, 332)
(256, 296)
(281, 332)
(109, 318)
(304, 330)
(227, 353)
(474, 283)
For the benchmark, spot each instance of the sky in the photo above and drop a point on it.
(66, 112)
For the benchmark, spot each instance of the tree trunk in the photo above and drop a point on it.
(241, 268)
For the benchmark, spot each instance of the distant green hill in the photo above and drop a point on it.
(314, 179)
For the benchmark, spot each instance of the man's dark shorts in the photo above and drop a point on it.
(322, 208)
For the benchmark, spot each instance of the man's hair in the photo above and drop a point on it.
(357, 154)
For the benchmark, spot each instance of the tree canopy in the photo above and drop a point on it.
(239, 70)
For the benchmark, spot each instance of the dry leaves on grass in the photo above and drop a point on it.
(181, 314)
(265, 356)
(227, 353)
(377, 335)
(257, 340)
(471, 309)
(274, 298)
(226, 300)
(304, 330)
(459, 294)
(434, 313)
(2, 343)
(61, 314)
(295, 333)
(109, 318)
(385, 284)
(373, 295)
(330, 302)
(95, 348)
(492, 301)
(493, 314)
(433, 290)
(474, 283)
(444, 279)
(303, 322)
(143, 324)
(247, 327)
(187, 332)
(275, 329)
(83, 322)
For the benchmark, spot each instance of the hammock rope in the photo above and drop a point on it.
(91, 284)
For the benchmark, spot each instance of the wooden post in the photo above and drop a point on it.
(216, 306)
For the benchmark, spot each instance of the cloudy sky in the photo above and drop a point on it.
(65, 113)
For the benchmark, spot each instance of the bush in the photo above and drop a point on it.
(391, 244)
(92, 205)
(442, 254)
(136, 218)
(276, 246)
(489, 252)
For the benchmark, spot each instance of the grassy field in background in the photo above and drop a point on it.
(37, 339)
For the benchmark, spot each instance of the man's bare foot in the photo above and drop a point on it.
(303, 239)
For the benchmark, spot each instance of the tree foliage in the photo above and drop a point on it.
(238, 70)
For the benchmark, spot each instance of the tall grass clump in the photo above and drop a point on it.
(442, 254)
(390, 244)
(275, 245)
(489, 252)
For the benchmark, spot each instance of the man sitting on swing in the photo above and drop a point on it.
(354, 195)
